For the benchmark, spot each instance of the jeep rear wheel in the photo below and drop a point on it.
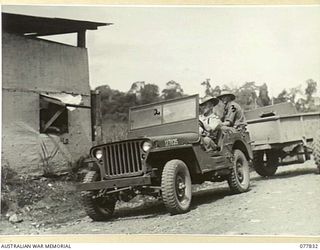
(176, 187)
(98, 208)
(239, 179)
(316, 150)
(268, 167)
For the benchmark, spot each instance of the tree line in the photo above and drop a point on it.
(115, 104)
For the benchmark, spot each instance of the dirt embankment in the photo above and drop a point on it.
(286, 204)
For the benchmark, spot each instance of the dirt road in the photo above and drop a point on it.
(286, 204)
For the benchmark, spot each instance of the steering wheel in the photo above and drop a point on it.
(201, 124)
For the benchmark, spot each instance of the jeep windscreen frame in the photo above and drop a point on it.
(164, 115)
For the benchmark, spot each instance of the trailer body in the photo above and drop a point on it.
(280, 136)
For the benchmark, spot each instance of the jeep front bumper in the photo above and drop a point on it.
(115, 183)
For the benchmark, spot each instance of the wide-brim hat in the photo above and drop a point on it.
(226, 93)
(211, 99)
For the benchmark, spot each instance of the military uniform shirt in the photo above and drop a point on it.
(211, 122)
(234, 114)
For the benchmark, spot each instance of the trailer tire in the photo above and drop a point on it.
(176, 187)
(239, 179)
(301, 155)
(268, 168)
(97, 208)
(306, 153)
(316, 150)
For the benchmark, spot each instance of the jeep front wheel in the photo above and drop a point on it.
(239, 179)
(176, 187)
(97, 206)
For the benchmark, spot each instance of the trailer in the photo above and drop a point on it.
(280, 136)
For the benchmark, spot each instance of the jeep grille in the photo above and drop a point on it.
(122, 159)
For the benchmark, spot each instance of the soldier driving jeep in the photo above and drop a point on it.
(210, 124)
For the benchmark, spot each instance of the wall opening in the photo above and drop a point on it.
(53, 116)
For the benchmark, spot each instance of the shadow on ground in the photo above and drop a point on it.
(287, 174)
(155, 208)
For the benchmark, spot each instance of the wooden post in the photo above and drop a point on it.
(96, 117)
(81, 39)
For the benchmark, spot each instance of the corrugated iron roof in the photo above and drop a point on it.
(44, 26)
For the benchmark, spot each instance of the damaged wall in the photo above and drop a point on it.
(32, 67)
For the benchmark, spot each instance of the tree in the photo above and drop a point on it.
(246, 95)
(310, 89)
(282, 97)
(226, 87)
(301, 105)
(216, 91)
(263, 99)
(293, 93)
(115, 104)
(303, 101)
(136, 89)
(172, 90)
(150, 93)
(209, 91)
(105, 92)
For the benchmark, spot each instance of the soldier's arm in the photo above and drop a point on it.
(231, 115)
(207, 127)
(226, 123)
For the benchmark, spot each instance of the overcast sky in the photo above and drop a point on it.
(279, 46)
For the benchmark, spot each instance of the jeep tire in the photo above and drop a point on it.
(316, 150)
(267, 168)
(239, 179)
(97, 208)
(176, 187)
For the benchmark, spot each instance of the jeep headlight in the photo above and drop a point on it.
(146, 146)
(98, 154)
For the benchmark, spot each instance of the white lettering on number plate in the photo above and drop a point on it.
(171, 142)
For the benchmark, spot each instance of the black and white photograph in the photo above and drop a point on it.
(160, 120)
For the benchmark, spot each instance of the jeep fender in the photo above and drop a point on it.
(244, 147)
(157, 159)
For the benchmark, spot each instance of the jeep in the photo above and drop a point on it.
(163, 156)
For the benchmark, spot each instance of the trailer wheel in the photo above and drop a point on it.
(176, 187)
(268, 167)
(306, 153)
(239, 179)
(97, 208)
(316, 150)
(301, 156)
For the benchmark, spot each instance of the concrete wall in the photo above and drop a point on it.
(42, 65)
(32, 67)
